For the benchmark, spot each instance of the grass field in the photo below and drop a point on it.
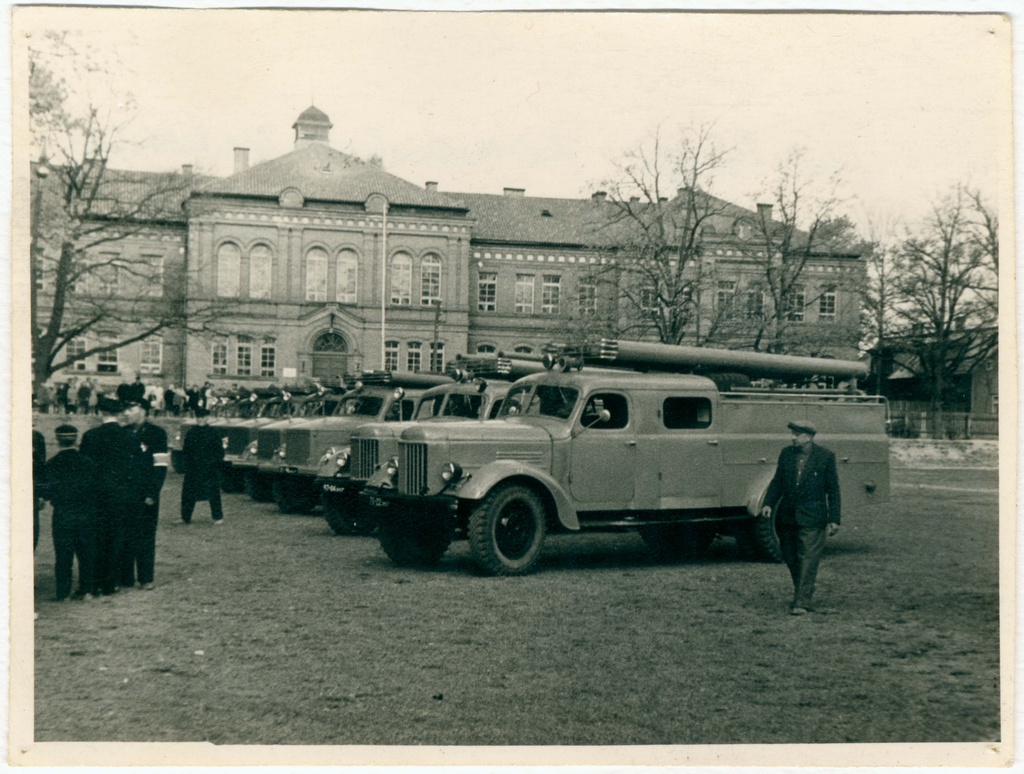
(269, 630)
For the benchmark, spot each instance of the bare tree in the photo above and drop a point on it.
(881, 293)
(654, 217)
(947, 306)
(803, 225)
(84, 213)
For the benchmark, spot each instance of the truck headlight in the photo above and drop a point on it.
(254, 448)
(451, 471)
(224, 442)
(391, 468)
(282, 450)
(327, 455)
(342, 459)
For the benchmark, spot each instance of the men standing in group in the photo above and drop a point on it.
(804, 496)
(139, 548)
(202, 452)
(70, 485)
(114, 449)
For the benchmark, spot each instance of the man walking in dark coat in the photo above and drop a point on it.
(139, 554)
(804, 496)
(202, 452)
(70, 486)
(114, 450)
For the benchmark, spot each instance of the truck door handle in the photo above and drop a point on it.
(713, 442)
(844, 459)
(763, 460)
(630, 443)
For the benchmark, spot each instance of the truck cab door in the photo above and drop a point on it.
(689, 454)
(603, 454)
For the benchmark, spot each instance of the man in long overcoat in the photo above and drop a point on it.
(38, 472)
(804, 496)
(139, 553)
(202, 452)
(70, 480)
(114, 450)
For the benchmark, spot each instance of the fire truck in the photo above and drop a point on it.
(680, 452)
(476, 392)
(381, 396)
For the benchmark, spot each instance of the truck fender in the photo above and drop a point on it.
(758, 490)
(489, 476)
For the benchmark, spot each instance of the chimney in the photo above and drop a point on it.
(599, 196)
(634, 199)
(431, 185)
(241, 160)
(765, 212)
(186, 170)
(662, 199)
(520, 192)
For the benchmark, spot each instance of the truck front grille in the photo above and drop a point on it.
(238, 439)
(297, 443)
(365, 458)
(268, 441)
(412, 468)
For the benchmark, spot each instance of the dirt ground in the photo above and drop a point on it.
(270, 630)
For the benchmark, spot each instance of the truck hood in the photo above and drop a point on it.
(475, 430)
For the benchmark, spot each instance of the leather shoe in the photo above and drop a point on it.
(798, 611)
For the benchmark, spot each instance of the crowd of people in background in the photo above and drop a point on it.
(82, 396)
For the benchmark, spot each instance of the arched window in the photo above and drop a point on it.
(330, 357)
(401, 279)
(229, 259)
(316, 274)
(430, 280)
(261, 267)
(348, 265)
(524, 350)
(485, 349)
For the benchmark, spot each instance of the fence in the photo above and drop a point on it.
(948, 425)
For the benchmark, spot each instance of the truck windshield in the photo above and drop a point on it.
(361, 406)
(429, 407)
(462, 405)
(542, 400)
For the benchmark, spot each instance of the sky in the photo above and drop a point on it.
(902, 107)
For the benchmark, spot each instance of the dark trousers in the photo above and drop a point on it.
(801, 550)
(138, 553)
(109, 541)
(73, 539)
(188, 504)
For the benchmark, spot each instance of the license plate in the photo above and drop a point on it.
(378, 502)
(333, 488)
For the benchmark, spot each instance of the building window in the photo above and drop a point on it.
(725, 295)
(220, 357)
(348, 266)
(316, 274)
(523, 350)
(229, 259)
(106, 362)
(413, 360)
(243, 359)
(75, 349)
(401, 280)
(550, 294)
(524, 293)
(485, 349)
(268, 360)
(261, 270)
(827, 306)
(151, 355)
(795, 304)
(648, 298)
(155, 282)
(437, 356)
(430, 280)
(391, 355)
(487, 291)
(107, 276)
(588, 298)
(753, 305)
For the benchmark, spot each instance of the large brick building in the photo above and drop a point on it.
(290, 253)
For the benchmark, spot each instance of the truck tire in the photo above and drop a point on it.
(293, 496)
(507, 529)
(760, 541)
(346, 516)
(231, 481)
(677, 541)
(413, 540)
(258, 487)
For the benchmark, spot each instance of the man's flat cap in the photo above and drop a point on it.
(66, 431)
(107, 405)
(802, 426)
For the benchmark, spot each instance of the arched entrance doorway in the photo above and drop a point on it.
(330, 357)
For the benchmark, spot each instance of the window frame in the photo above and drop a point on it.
(524, 282)
(487, 280)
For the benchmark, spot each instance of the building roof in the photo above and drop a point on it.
(321, 173)
(313, 114)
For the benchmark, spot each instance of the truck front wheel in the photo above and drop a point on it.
(506, 530)
(413, 540)
(346, 515)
